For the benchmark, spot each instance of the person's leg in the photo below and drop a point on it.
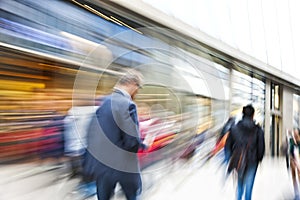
(105, 186)
(131, 184)
(240, 187)
(294, 178)
(76, 164)
(249, 181)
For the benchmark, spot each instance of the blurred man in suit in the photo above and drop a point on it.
(114, 140)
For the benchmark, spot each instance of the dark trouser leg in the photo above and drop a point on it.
(105, 186)
(131, 184)
(76, 164)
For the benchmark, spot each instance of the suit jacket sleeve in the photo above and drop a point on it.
(128, 123)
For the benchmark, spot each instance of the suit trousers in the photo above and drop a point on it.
(131, 184)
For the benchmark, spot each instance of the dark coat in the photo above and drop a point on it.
(113, 137)
(246, 134)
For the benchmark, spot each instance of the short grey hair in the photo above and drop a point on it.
(131, 76)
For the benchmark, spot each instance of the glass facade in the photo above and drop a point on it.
(296, 110)
(248, 90)
(52, 61)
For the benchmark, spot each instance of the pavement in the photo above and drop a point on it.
(188, 181)
(169, 180)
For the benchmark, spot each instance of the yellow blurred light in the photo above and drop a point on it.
(122, 23)
(7, 85)
(15, 74)
(96, 12)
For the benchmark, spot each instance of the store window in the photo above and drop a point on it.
(275, 119)
(275, 97)
(296, 111)
(247, 89)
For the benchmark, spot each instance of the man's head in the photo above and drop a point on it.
(248, 111)
(131, 82)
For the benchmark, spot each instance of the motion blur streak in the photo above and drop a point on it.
(59, 54)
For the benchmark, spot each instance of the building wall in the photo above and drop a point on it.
(267, 118)
(265, 30)
(287, 110)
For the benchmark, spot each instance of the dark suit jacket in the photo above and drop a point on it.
(113, 137)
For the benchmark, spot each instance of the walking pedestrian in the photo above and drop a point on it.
(294, 162)
(114, 140)
(75, 129)
(244, 149)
